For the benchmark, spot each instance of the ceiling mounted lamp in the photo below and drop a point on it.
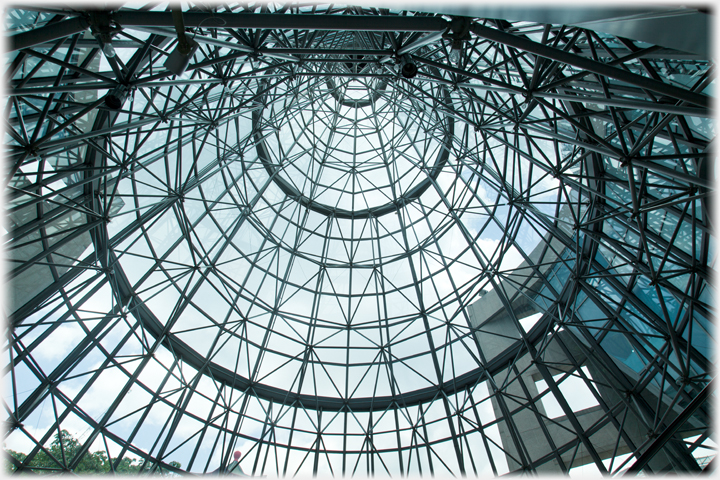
(179, 59)
(103, 28)
(458, 33)
(407, 68)
(108, 48)
(455, 51)
(115, 99)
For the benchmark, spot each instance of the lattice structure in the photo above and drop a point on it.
(354, 241)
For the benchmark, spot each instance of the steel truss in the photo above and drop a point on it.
(295, 251)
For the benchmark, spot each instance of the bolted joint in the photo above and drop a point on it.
(33, 152)
(458, 29)
(101, 22)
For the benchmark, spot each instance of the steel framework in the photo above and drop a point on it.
(499, 264)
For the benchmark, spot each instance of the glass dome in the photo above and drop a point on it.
(357, 241)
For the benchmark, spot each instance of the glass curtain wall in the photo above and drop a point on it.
(353, 241)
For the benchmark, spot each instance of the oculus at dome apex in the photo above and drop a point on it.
(358, 241)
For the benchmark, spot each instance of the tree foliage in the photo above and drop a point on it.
(63, 450)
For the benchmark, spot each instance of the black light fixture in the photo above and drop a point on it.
(179, 59)
(408, 69)
(115, 99)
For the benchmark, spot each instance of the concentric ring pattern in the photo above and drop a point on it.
(299, 250)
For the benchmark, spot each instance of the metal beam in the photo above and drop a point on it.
(663, 438)
(527, 45)
(47, 33)
(362, 23)
(355, 23)
(631, 104)
(420, 42)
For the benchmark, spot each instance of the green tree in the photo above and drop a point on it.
(134, 466)
(9, 465)
(63, 450)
